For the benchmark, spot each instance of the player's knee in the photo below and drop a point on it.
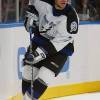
(46, 75)
(27, 72)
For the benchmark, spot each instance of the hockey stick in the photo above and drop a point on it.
(32, 92)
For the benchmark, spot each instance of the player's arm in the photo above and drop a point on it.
(72, 21)
(47, 1)
(41, 5)
(31, 19)
(71, 27)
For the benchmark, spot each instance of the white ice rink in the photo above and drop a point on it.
(86, 96)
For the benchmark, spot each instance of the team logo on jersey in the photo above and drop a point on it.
(47, 28)
(73, 26)
(46, 25)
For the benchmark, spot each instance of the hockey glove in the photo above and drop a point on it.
(31, 19)
(34, 57)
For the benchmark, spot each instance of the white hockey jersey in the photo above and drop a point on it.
(56, 25)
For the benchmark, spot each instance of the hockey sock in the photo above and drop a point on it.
(38, 89)
(25, 86)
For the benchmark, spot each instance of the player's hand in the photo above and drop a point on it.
(35, 57)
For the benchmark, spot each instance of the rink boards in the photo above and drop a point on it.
(80, 74)
(66, 90)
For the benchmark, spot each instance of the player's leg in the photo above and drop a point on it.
(47, 73)
(40, 84)
(27, 71)
(27, 77)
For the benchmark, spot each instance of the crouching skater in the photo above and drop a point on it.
(53, 24)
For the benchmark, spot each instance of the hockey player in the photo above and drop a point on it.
(53, 24)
